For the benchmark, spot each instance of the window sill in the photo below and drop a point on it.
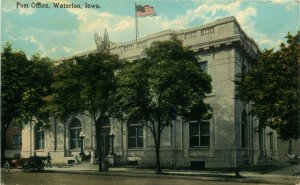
(210, 95)
(75, 150)
(137, 148)
(199, 148)
(244, 148)
(39, 150)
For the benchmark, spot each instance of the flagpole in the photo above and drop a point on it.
(136, 23)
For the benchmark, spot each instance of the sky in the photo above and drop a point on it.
(64, 32)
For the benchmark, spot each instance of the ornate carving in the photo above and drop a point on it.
(102, 44)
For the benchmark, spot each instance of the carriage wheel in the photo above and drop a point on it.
(7, 167)
(26, 167)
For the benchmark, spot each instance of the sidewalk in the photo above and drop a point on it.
(287, 175)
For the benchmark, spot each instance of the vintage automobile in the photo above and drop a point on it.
(26, 164)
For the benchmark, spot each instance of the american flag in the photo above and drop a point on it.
(144, 11)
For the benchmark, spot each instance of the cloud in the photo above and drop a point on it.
(287, 3)
(7, 10)
(206, 13)
(26, 11)
(33, 40)
(278, 1)
(284, 1)
(212, 10)
(64, 48)
(93, 21)
(53, 33)
(60, 49)
(10, 6)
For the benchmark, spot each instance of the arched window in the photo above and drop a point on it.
(244, 129)
(39, 138)
(75, 129)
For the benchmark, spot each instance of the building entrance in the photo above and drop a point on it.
(104, 136)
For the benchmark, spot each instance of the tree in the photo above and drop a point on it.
(272, 88)
(150, 90)
(34, 97)
(25, 83)
(84, 85)
(64, 100)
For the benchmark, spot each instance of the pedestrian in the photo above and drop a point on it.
(48, 160)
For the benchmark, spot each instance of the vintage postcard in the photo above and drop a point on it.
(150, 92)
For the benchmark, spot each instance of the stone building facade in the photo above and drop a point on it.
(229, 139)
(13, 142)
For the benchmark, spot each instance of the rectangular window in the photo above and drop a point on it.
(135, 136)
(17, 140)
(199, 134)
(204, 133)
(39, 140)
(203, 66)
(75, 141)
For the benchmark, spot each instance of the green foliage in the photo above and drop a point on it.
(272, 87)
(84, 84)
(150, 90)
(64, 99)
(97, 76)
(25, 83)
(170, 77)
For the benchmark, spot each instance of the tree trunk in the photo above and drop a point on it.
(158, 168)
(290, 149)
(99, 162)
(98, 145)
(157, 149)
(3, 146)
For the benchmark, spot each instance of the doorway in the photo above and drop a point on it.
(103, 128)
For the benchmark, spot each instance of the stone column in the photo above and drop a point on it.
(261, 143)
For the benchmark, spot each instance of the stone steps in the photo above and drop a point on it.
(271, 161)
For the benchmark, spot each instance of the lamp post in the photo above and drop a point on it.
(112, 143)
(81, 136)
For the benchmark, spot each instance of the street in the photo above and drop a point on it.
(17, 177)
